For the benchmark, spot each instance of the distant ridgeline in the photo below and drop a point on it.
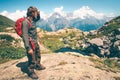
(56, 22)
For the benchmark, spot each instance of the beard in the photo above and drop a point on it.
(36, 18)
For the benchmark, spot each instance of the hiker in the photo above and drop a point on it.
(29, 36)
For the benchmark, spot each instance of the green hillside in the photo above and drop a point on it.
(8, 48)
(5, 22)
(111, 26)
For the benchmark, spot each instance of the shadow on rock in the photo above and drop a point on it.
(23, 66)
(68, 49)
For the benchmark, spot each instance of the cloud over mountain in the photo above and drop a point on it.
(85, 12)
(82, 13)
(60, 11)
(15, 15)
(83, 18)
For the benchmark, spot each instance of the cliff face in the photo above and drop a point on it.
(67, 66)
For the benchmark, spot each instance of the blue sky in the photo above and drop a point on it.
(104, 6)
(15, 9)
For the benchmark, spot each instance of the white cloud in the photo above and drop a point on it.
(15, 15)
(82, 13)
(111, 15)
(43, 15)
(18, 14)
(85, 11)
(60, 11)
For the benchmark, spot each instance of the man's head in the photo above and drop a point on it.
(33, 12)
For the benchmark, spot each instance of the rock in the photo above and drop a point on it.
(117, 31)
(114, 48)
(117, 43)
(97, 41)
(93, 48)
(118, 37)
(58, 67)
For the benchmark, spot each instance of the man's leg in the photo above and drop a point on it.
(38, 58)
(31, 66)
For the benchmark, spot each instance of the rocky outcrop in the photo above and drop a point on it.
(106, 46)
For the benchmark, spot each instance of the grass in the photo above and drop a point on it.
(117, 78)
(5, 22)
(3, 60)
(111, 26)
(52, 42)
(7, 51)
(107, 64)
(10, 52)
(62, 62)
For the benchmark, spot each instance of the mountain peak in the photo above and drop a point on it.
(56, 15)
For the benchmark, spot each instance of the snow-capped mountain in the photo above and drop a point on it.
(84, 19)
(58, 21)
(54, 22)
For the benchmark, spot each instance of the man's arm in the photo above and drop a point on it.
(25, 35)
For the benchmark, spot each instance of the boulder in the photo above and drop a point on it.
(93, 48)
(97, 41)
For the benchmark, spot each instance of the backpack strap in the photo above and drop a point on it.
(29, 23)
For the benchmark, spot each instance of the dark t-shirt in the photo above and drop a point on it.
(29, 32)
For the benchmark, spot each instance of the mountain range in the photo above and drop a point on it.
(84, 19)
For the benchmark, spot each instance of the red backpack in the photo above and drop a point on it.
(18, 29)
(18, 26)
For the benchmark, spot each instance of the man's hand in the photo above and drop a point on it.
(30, 51)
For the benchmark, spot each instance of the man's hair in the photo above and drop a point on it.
(30, 10)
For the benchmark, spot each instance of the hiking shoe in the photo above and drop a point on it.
(40, 67)
(33, 76)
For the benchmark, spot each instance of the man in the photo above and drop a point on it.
(28, 33)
